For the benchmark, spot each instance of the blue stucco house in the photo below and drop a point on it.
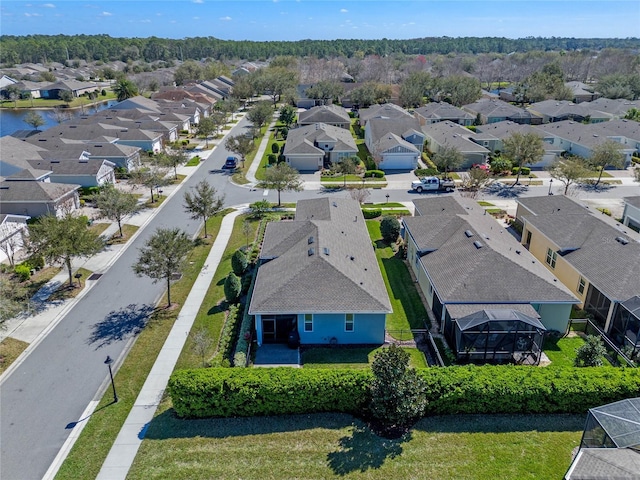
(319, 278)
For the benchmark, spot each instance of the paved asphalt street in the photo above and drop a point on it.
(64, 373)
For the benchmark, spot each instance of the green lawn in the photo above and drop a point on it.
(91, 449)
(326, 446)
(264, 161)
(408, 310)
(10, 350)
(562, 351)
(212, 313)
(353, 357)
(127, 233)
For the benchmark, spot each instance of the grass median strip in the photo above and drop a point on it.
(10, 349)
(91, 449)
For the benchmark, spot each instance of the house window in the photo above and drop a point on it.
(348, 322)
(581, 285)
(551, 258)
(308, 322)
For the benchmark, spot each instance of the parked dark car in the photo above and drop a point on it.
(231, 163)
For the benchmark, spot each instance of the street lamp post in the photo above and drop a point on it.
(387, 195)
(530, 177)
(108, 363)
(550, 185)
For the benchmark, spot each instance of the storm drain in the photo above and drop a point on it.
(94, 276)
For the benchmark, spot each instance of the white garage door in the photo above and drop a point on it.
(398, 162)
(304, 163)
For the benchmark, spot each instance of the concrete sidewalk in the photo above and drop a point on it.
(125, 448)
(253, 168)
(29, 328)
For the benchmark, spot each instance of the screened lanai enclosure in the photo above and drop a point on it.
(616, 425)
(497, 336)
(625, 329)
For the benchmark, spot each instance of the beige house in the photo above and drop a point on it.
(595, 257)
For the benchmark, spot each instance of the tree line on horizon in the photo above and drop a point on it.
(61, 48)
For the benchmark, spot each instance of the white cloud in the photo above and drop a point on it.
(32, 15)
(344, 10)
(48, 5)
(146, 20)
(198, 1)
(196, 18)
(106, 14)
(225, 19)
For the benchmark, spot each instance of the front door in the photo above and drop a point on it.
(276, 328)
(269, 330)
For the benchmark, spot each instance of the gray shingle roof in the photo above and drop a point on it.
(443, 111)
(324, 114)
(558, 108)
(388, 110)
(453, 135)
(618, 107)
(494, 108)
(34, 192)
(389, 141)
(439, 205)
(633, 201)
(380, 127)
(303, 139)
(590, 246)
(588, 242)
(500, 270)
(465, 309)
(336, 272)
(71, 167)
(551, 204)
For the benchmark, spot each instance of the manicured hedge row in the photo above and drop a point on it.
(369, 213)
(514, 389)
(451, 390)
(242, 392)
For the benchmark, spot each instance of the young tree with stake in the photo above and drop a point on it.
(115, 204)
(203, 203)
(163, 255)
(281, 178)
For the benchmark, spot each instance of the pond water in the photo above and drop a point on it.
(13, 120)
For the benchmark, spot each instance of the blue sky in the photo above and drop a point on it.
(327, 19)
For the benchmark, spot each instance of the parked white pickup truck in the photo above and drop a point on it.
(432, 184)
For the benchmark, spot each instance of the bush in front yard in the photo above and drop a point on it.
(239, 262)
(232, 288)
(374, 173)
(370, 213)
(390, 229)
(23, 272)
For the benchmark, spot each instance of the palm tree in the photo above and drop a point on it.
(125, 89)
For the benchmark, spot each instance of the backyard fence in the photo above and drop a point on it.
(616, 356)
